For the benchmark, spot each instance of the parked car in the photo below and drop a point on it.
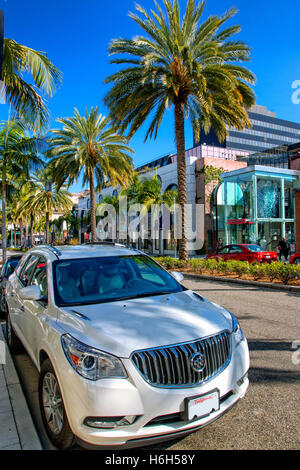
(127, 356)
(244, 252)
(295, 258)
(7, 269)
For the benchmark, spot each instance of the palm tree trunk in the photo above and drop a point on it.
(21, 233)
(4, 247)
(93, 208)
(31, 230)
(47, 228)
(181, 176)
(26, 234)
(15, 236)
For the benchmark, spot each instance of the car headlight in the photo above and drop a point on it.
(90, 362)
(236, 330)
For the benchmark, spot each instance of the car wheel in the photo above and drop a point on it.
(13, 341)
(297, 261)
(53, 410)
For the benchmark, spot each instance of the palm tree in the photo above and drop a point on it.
(19, 152)
(46, 198)
(90, 146)
(186, 64)
(57, 226)
(23, 97)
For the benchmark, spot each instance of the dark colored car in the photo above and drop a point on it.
(295, 258)
(244, 252)
(7, 269)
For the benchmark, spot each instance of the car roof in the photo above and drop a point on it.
(86, 251)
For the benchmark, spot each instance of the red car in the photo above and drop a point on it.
(295, 258)
(244, 252)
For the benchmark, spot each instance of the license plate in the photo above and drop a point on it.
(202, 405)
(268, 256)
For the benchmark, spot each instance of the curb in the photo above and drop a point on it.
(265, 285)
(27, 435)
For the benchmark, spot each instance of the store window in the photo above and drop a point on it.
(268, 198)
(269, 234)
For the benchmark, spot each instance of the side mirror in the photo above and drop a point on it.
(31, 293)
(178, 276)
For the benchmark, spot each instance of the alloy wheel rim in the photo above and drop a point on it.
(52, 403)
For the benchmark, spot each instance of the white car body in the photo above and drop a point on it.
(162, 324)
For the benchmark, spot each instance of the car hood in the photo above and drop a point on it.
(125, 326)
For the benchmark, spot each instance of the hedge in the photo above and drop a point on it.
(275, 271)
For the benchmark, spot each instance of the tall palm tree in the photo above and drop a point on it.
(187, 64)
(89, 146)
(19, 152)
(46, 198)
(27, 99)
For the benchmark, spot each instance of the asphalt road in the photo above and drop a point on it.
(269, 415)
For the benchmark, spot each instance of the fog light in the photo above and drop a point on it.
(110, 422)
(242, 379)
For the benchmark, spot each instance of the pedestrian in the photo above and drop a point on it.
(219, 244)
(283, 249)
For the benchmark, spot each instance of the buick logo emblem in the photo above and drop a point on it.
(198, 362)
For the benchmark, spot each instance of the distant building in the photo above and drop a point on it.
(266, 133)
(251, 204)
(277, 157)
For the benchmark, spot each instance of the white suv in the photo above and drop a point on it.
(127, 356)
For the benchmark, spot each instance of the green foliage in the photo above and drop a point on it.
(211, 173)
(278, 271)
(198, 265)
(287, 272)
(258, 271)
(170, 263)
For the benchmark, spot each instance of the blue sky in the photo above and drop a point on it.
(76, 35)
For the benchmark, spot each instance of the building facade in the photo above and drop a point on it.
(256, 204)
(266, 133)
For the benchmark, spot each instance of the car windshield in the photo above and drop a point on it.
(107, 279)
(255, 248)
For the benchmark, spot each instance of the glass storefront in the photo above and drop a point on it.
(255, 205)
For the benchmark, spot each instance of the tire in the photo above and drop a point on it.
(13, 341)
(52, 409)
(297, 261)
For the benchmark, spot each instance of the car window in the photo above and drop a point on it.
(148, 272)
(27, 270)
(3, 269)
(11, 266)
(224, 250)
(235, 249)
(39, 277)
(111, 278)
(254, 248)
(24, 260)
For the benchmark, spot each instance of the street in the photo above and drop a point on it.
(268, 416)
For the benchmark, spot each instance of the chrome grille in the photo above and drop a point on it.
(170, 366)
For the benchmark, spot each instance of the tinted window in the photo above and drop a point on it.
(235, 249)
(254, 248)
(224, 250)
(39, 277)
(28, 270)
(96, 280)
(11, 266)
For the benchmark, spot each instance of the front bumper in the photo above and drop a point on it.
(134, 396)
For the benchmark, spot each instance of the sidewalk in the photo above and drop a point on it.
(17, 431)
